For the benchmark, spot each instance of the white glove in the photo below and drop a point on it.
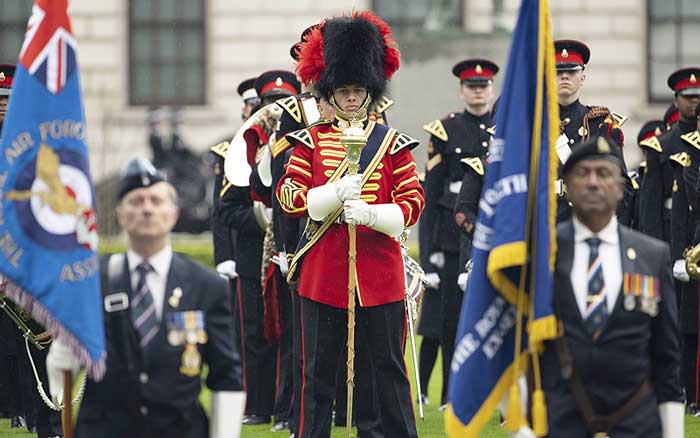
(671, 414)
(280, 259)
(432, 280)
(523, 432)
(227, 269)
(349, 187)
(226, 414)
(679, 272)
(264, 169)
(438, 259)
(462, 281)
(59, 359)
(385, 218)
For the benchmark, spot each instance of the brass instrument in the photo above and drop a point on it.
(692, 261)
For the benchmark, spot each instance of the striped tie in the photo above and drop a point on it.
(596, 302)
(143, 309)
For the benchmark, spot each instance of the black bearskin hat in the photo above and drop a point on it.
(350, 50)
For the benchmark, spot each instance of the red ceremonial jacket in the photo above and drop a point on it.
(323, 275)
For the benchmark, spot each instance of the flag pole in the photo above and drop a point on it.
(67, 413)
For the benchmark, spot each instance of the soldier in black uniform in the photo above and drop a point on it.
(681, 150)
(165, 316)
(578, 121)
(457, 136)
(237, 211)
(613, 294)
(630, 216)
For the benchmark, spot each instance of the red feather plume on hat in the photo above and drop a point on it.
(311, 63)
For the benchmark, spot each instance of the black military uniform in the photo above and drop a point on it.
(630, 216)
(639, 337)
(237, 211)
(457, 136)
(683, 156)
(153, 390)
(579, 121)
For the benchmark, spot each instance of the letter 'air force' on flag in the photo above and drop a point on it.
(509, 295)
(48, 228)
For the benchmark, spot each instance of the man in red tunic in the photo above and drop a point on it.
(359, 57)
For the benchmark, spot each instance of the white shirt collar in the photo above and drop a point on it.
(609, 233)
(160, 261)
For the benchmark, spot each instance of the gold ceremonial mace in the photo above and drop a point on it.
(354, 140)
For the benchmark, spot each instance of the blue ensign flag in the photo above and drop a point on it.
(48, 228)
(508, 301)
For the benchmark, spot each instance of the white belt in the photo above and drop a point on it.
(455, 187)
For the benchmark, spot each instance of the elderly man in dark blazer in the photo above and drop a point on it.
(165, 316)
(616, 369)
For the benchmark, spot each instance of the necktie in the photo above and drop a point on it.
(596, 304)
(143, 309)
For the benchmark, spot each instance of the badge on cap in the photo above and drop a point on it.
(693, 79)
(479, 69)
(564, 53)
(279, 81)
(2, 76)
(603, 146)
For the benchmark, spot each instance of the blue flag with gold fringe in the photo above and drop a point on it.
(508, 301)
(48, 227)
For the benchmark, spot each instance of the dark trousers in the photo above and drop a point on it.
(365, 414)
(690, 368)
(451, 307)
(426, 361)
(284, 390)
(382, 330)
(259, 364)
(297, 362)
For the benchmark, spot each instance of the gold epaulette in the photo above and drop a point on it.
(681, 158)
(220, 149)
(291, 106)
(491, 130)
(280, 146)
(692, 138)
(475, 163)
(383, 104)
(651, 143)
(435, 128)
(619, 119)
(403, 141)
(303, 136)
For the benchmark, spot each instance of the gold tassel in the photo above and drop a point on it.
(539, 413)
(514, 413)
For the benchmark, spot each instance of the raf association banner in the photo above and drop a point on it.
(507, 307)
(48, 231)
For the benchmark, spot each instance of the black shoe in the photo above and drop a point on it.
(252, 420)
(18, 422)
(280, 425)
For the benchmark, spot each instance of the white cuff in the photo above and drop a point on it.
(321, 201)
(226, 414)
(389, 219)
(671, 414)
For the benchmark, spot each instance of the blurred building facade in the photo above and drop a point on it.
(192, 53)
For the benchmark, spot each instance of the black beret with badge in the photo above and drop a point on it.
(138, 173)
(595, 148)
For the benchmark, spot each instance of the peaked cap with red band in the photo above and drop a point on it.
(7, 73)
(355, 49)
(649, 129)
(475, 71)
(276, 83)
(571, 54)
(685, 81)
